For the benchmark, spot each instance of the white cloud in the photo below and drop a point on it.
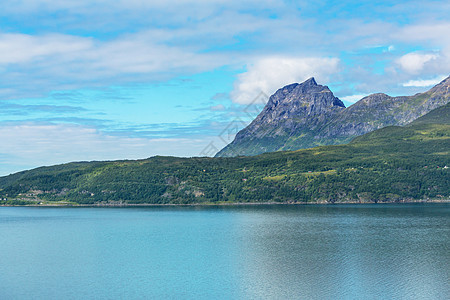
(54, 61)
(137, 53)
(190, 36)
(352, 98)
(84, 5)
(22, 48)
(32, 145)
(271, 73)
(424, 83)
(414, 62)
(218, 107)
(428, 31)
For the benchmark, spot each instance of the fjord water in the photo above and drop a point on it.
(243, 252)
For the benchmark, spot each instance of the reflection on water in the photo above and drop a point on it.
(323, 252)
(251, 252)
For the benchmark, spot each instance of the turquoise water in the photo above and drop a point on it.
(245, 252)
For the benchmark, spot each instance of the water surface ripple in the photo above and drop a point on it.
(243, 252)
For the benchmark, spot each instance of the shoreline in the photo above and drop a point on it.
(437, 201)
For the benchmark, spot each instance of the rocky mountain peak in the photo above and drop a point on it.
(291, 105)
(310, 81)
(372, 100)
(443, 86)
(445, 82)
(308, 114)
(304, 99)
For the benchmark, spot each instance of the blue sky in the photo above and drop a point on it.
(103, 80)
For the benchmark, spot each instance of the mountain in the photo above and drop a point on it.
(440, 115)
(306, 115)
(392, 164)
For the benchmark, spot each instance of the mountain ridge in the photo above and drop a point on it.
(310, 115)
(392, 164)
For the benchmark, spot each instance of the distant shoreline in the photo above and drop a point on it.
(224, 204)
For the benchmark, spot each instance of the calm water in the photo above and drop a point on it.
(249, 252)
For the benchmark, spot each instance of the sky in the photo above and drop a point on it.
(84, 80)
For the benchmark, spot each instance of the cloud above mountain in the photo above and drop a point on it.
(271, 73)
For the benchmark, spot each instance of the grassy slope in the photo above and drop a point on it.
(390, 164)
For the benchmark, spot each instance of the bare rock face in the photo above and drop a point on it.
(380, 110)
(292, 105)
(300, 100)
(306, 115)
